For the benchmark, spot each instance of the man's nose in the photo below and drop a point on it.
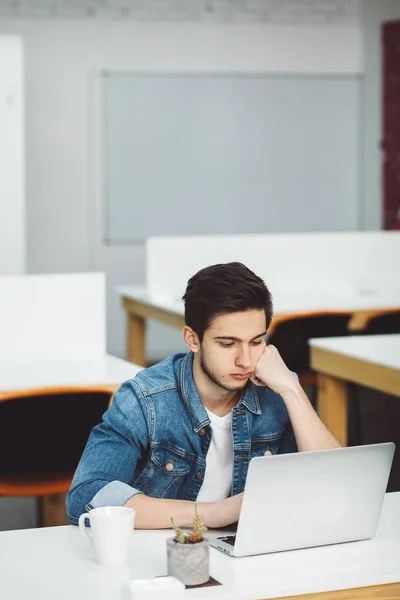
(243, 359)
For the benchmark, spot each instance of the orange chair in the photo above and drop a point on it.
(42, 436)
(290, 334)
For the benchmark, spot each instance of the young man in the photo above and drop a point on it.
(186, 429)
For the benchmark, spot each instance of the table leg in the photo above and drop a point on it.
(332, 405)
(51, 510)
(136, 340)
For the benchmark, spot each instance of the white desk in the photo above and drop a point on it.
(102, 371)
(43, 564)
(141, 305)
(372, 361)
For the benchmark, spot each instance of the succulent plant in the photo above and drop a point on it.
(198, 530)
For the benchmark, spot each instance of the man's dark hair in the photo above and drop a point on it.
(221, 289)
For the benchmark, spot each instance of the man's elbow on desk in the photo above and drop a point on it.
(87, 496)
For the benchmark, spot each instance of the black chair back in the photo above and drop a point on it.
(45, 434)
(292, 335)
(384, 323)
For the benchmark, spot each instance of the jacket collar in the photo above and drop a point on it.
(250, 399)
(195, 406)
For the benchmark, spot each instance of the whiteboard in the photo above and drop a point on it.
(222, 154)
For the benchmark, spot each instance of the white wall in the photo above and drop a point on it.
(12, 156)
(63, 59)
(375, 13)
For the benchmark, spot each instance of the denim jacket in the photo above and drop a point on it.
(157, 421)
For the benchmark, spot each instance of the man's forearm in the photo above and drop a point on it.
(155, 513)
(309, 430)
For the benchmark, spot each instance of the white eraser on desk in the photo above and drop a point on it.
(167, 588)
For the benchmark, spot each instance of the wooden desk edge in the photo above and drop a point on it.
(138, 308)
(390, 591)
(354, 370)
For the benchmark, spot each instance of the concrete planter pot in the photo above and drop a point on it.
(190, 563)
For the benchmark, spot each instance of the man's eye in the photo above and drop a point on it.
(227, 345)
(257, 343)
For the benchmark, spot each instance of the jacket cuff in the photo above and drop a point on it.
(115, 493)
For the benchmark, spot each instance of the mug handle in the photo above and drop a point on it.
(82, 525)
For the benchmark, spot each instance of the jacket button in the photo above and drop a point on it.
(169, 467)
(199, 474)
(202, 431)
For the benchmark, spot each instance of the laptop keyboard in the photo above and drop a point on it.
(229, 539)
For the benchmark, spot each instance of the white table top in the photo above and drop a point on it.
(43, 564)
(377, 349)
(288, 301)
(97, 371)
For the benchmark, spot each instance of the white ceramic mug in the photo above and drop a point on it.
(110, 530)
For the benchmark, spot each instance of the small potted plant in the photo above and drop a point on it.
(188, 554)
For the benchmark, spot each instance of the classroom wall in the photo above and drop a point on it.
(64, 211)
(375, 12)
(12, 156)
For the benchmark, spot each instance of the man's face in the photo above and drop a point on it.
(231, 348)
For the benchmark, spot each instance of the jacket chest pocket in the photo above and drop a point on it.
(164, 473)
(265, 445)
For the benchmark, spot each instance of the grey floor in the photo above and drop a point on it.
(17, 513)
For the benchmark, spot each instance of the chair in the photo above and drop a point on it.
(291, 333)
(373, 415)
(42, 436)
(387, 321)
(374, 418)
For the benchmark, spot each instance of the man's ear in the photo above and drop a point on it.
(191, 339)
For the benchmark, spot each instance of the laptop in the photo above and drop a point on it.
(308, 499)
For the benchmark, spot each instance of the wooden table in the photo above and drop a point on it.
(381, 592)
(372, 361)
(57, 562)
(140, 306)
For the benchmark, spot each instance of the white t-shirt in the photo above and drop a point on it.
(217, 481)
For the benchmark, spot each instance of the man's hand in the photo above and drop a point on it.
(222, 513)
(271, 371)
(309, 431)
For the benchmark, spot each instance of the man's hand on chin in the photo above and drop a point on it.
(272, 372)
(309, 431)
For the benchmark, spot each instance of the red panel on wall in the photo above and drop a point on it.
(391, 125)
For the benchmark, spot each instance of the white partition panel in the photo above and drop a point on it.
(52, 317)
(12, 156)
(359, 262)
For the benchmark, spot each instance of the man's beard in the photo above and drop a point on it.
(213, 378)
